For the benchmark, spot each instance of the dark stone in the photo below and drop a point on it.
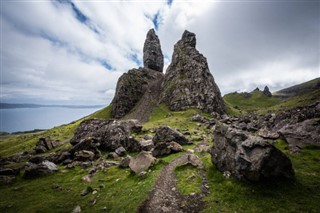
(121, 151)
(168, 134)
(188, 82)
(106, 135)
(8, 171)
(138, 86)
(141, 162)
(43, 145)
(152, 54)
(84, 155)
(125, 162)
(35, 170)
(266, 92)
(248, 158)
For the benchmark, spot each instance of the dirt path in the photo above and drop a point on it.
(165, 197)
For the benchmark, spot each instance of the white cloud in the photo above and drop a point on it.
(50, 56)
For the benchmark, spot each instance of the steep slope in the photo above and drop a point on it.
(188, 82)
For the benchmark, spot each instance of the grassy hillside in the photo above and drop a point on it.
(124, 192)
(304, 95)
(295, 90)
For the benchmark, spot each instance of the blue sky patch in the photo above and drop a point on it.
(134, 57)
(105, 64)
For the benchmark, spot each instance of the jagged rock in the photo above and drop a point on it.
(105, 135)
(141, 162)
(152, 54)
(165, 148)
(146, 145)
(188, 82)
(121, 151)
(43, 145)
(248, 158)
(84, 155)
(301, 134)
(168, 134)
(198, 118)
(35, 170)
(266, 134)
(138, 86)
(194, 161)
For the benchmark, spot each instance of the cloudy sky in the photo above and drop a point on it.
(73, 52)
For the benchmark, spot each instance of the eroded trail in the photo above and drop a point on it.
(165, 197)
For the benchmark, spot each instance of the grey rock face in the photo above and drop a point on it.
(168, 134)
(138, 86)
(188, 82)
(248, 158)
(152, 54)
(105, 135)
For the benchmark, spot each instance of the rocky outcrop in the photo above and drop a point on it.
(43, 145)
(248, 158)
(105, 135)
(188, 82)
(152, 54)
(267, 92)
(139, 89)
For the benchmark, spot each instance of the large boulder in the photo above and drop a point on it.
(141, 162)
(152, 54)
(188, 82)
(168, 134)
(35, 170)
(165, 148)
(105, 135)
(248, 158)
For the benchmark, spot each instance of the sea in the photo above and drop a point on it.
(28, 119)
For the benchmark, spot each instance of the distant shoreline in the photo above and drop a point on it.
(19, 106)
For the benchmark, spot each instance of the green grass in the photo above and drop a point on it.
(257, 101)
(161, 115)
(299, 195)
(189, 180)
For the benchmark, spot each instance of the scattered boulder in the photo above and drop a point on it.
(43, 145)
(84, 155)
(165, 148)
(168, 134)
(146, 145)
(152, 54)
(199, 118)
(35, 170)
(248, 158)
(77, 209)
(142, 162)
(188, 82)
(121, 151)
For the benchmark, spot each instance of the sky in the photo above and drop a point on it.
(73, 52)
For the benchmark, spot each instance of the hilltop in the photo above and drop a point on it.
(170, 143)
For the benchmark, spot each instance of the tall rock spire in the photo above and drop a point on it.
(188, 82)
(152, 54)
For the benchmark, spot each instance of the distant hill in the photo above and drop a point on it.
(297, 95)
(298, 89)
(15, 106)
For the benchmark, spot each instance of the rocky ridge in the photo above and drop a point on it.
(188, 82)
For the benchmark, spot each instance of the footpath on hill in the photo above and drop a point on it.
(165, 197)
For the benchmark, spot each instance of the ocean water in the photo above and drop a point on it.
(25, 119)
